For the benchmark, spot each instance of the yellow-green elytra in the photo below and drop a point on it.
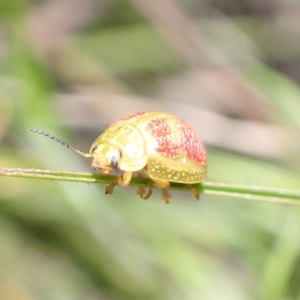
(160, 145)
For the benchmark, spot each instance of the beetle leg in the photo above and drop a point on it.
(149, 193)
(195, 192)
(166, 196)
(110, 188)
(158, 184)
(140, 191)
(123, 181)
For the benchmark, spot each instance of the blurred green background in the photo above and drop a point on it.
(71, 67)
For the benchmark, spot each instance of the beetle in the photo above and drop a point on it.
(158, 144)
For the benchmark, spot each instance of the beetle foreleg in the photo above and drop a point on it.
(123, 181)
(110, 188)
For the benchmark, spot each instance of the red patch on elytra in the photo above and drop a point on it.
(190, 141)
(134, 115)
(160, 129)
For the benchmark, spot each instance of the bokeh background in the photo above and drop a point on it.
(71, 67)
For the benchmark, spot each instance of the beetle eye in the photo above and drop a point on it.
(114, 161)
(94, 149)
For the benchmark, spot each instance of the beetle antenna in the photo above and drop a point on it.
(59, 141)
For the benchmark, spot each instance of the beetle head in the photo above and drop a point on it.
(106, 157)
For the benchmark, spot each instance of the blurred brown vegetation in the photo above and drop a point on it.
(71, 67)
